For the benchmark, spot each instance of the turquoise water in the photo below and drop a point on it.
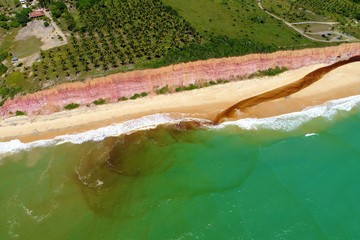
(182, 182)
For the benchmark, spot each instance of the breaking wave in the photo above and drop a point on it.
(291, 121)
(286, 122)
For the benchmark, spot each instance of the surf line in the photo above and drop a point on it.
(283, 91)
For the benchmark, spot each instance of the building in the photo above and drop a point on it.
(37, 13)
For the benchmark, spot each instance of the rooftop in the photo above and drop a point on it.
(37, 13)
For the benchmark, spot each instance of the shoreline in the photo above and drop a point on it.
(203, 103)
(113, 87)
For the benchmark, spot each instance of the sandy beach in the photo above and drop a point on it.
(201, 103)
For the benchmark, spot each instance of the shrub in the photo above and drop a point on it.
(3, 69)
(123, 99)
(99, 101)
(20, 113)
(162, 90)
(273, 71)
(46, 23)
(72, 106)
(135, 96)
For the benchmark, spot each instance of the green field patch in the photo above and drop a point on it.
(236, 19)
(26, 47)
(15, 79)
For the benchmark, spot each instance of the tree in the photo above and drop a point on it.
(22, 17)
(57, 8)
(3, 69)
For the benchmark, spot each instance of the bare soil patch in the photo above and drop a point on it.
(49, 35)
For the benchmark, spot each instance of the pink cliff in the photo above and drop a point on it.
(119, 85)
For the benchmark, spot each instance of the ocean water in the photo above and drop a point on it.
(295, 176)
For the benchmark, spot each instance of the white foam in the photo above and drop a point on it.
(286, 122)
(291, 121)
(311, 134)
(143, 123)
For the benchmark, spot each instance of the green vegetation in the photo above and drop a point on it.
(20, 113)
(187, 88)
(114, 35)
(216, 47)
(99, 101)
(298, 10)
(344, 12)
(162, 90)
(137, 95)
(270, 72)
(9, 21)
(59, 10)
(123, 99)
(199, 85)
(72, 106)
(22, 17)
(107, 36)
(3, 69)
(7, 92)
(237, 20)
(26, 47)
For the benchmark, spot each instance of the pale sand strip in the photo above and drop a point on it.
(202, 103)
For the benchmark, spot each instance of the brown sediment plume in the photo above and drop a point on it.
(119, 85)
(283, 91)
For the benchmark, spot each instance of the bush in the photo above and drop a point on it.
(22, 17)
(70, 21)
(46, 24)
(99, 101)
(57, 8)
(162, 90)
(3, 56)
(123, 99)
(135, 96)
(20, 113)
(72, 106)
(272, 71)
(3, 69)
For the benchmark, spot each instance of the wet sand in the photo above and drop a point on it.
(204, 103)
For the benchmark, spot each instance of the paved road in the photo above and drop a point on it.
(300, 31)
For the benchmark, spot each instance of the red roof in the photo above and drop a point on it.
(35, 14)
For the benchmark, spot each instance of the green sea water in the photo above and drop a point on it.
(184, 182)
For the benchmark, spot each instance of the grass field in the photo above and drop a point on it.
(26, 47)
(236, 19)
(8, 39)
(343, 12)
(8, 6)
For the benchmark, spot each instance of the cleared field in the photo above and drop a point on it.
(26, 47)
(236, 19)
(315, 27)
(345, 12)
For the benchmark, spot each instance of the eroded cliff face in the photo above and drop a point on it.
(119, 85)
